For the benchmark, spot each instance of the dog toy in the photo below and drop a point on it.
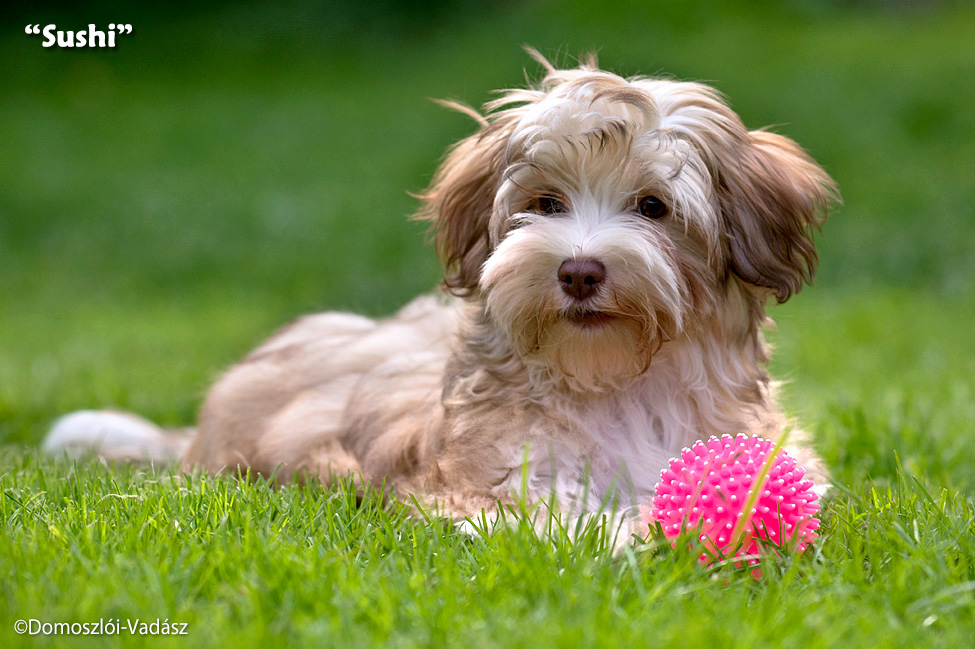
(738, 495)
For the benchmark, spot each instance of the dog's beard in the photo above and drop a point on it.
(594, 357)
(603, 343)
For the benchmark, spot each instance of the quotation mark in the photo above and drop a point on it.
(33, 29)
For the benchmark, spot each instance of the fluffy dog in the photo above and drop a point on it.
(609, 245)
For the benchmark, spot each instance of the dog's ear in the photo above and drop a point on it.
(773, 196)
(460, 200)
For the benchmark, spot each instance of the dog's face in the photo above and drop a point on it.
(597, 218)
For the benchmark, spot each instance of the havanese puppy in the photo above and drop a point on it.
(609, 247)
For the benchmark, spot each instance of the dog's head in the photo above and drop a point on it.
(597, 218)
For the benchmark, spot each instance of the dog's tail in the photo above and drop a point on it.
(117, 436)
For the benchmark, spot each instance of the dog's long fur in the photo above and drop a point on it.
(456, 399)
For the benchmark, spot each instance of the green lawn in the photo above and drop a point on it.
(165, 205)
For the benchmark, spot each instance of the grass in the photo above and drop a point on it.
(245, 564)
(164, 206)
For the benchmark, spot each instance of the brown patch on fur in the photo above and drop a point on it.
(460, 200)
(773, 196)
(627, 95)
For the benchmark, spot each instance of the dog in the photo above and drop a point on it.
(609, 246)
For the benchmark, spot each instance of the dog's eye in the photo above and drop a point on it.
(549, 205)
(652, 207)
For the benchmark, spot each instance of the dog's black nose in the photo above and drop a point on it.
(580, 278)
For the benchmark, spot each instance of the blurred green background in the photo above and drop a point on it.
(164, 205)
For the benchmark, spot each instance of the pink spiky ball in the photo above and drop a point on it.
(740, 495)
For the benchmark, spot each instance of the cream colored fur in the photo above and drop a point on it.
(456, 399)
